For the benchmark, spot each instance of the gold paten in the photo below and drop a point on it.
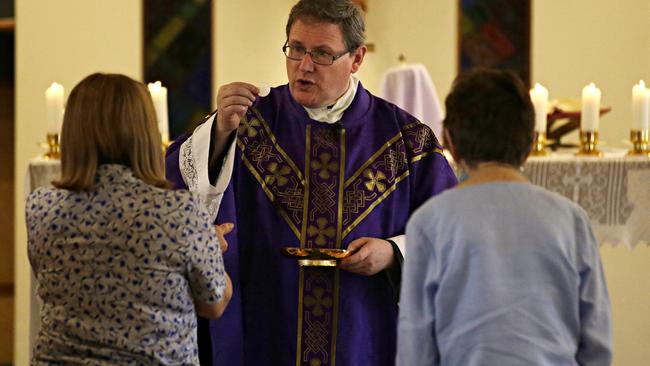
(316, 254)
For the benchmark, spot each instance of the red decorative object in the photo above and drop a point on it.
(561, 122)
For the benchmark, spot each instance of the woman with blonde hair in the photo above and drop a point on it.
(123, 264)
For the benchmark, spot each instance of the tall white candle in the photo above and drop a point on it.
(159, 96)
(590, 115)
(54, 108)
(640, 107)
(539, 97)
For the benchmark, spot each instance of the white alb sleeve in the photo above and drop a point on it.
(400, 241)
(194, 161)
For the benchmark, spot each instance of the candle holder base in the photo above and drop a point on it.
(594, 153)
(589, 144)
(640, 140)
(53, 146)
(165, 144)
(539, 145)
(633, 153)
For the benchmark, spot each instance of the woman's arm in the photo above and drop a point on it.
(216, 309)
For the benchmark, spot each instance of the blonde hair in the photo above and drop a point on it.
(110, 119)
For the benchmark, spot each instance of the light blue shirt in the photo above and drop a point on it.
(502, 274)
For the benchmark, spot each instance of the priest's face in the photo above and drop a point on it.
(314, 85)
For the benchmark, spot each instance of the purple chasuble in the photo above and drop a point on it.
(303, 183)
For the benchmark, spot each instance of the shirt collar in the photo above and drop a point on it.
(334, 113)
(113, 173)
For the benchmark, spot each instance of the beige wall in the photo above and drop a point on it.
(573, 42)
(429, 37)
(60, 41)
(248, 43)
(627, 273)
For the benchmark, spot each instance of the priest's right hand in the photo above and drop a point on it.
(233, 101)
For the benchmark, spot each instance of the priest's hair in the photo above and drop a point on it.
(345, 13)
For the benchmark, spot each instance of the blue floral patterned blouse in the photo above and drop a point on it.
(119, 269)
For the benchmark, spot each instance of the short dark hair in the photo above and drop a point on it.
(490, 117)
(345, 13)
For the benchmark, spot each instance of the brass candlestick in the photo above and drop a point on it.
(641, 142)
(589, 144)
(165, 144)
(53, 151)
(539, 145)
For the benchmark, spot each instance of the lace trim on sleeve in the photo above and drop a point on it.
(187, 167)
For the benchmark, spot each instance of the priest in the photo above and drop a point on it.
(318, 163)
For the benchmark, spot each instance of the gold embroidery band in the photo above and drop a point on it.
(271, 137)
(319, 294)
(412, 125)
(270, 195)
(379, 176)
(372, 159)
(339, 240)
(301, 279)
(341, 193)
(374, 204)
(305, 203)
(303, 237)
(424, 155)
(319, 286)
(276, 173)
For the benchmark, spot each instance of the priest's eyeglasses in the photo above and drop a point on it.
(319, 57)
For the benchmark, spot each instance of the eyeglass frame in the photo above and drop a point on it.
(334, 57)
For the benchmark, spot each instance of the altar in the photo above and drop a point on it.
(613, 189)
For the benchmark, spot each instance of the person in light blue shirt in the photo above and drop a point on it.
(499, 271)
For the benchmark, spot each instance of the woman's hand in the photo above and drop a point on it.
(222, 230)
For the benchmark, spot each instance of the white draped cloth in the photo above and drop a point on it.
(409, 86)
(613, 189)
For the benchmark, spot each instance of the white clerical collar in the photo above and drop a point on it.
(333, 113)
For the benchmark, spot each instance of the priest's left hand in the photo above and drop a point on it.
(372, 255)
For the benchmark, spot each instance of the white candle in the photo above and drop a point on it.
(54, 108)
(590, 115)
(539, 97)
(640, 107)
(159, 97)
